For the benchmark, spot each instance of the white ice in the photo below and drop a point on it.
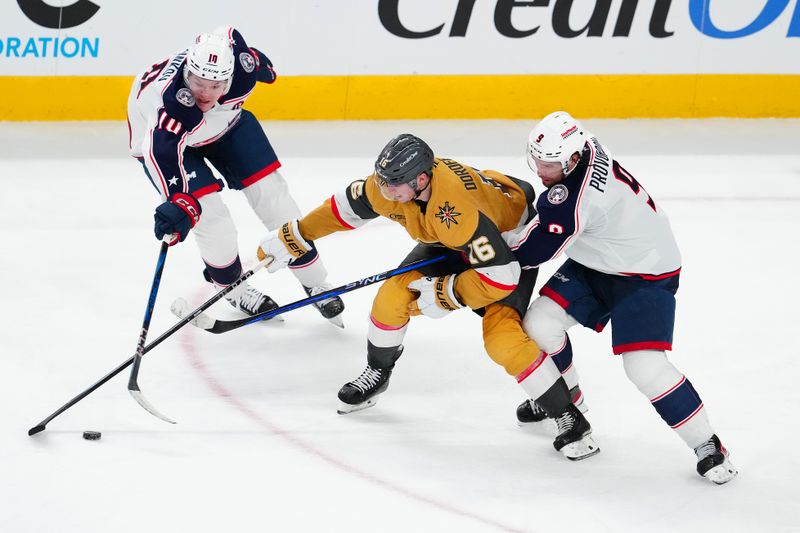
(259, 446)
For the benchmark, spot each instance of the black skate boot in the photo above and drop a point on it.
(330, 308)
(363, 391)
(713, 463)
(530, 412)
(251, 301)
(574, 435)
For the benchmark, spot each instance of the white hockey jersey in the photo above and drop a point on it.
(163, 118)
(602, 218)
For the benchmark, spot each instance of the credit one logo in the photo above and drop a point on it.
(389, 14)
(55, 18)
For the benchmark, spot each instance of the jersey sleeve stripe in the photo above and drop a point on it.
(152, 157)
(338, 214)
(489, 281)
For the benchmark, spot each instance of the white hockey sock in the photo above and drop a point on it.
(670, 393)
(383, 336)
(539, 377)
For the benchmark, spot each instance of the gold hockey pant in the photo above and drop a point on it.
(503, 337)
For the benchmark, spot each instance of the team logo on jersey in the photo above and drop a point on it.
(185, 97)
(557, 194)
(247, 61)
(447, 214)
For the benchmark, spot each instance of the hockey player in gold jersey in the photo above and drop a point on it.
(452, 210)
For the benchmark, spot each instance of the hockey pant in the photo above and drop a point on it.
(217, 238)
(667, 389)
(504, 339)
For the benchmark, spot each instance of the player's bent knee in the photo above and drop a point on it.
(270, 199)
(506, 342)
(650, 371)
(216, 220)
(513, 354)
(545, 322)
(390, 305)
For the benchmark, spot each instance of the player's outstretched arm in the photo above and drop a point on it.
(284, 244)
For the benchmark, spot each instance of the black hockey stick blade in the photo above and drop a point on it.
(41, 426)
(222, 326)
(149, 407)
(36, 429)
(133, 383)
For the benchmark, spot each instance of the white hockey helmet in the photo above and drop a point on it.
(554, 139)
(211, 58)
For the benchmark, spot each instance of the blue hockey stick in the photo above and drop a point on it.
(133, 383)
(213, 325)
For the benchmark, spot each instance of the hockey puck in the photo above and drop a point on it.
(91, 435)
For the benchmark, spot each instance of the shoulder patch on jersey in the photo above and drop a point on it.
(557, 194)
(184, 96)
(247, 61)
(447, 214)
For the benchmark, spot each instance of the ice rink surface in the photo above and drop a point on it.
(259, 446)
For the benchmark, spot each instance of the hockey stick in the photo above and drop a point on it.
(41, 426)
(213, 325)
(133, 381)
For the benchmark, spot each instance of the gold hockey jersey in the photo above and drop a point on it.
(467, 211)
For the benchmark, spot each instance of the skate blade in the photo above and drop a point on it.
(346, 408)
(721, 474)
(336, 321)
(580, 449)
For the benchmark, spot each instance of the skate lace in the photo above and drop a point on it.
(368, 379)
(251, 299)
(706, 449)
(565, 422)
(322, 287)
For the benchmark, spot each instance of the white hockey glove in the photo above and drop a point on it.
(436, 297)
(285, 244)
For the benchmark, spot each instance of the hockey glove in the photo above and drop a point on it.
(436, 296)
(265, 72)
(285, 244)
(177, 216)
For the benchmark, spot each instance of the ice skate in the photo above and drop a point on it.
(330, 308)
(251, 301)
(363, 392)
(574, 435)
(530, 413)
(713, 463)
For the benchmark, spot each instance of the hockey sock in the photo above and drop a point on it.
(563, 360)
(671, 394)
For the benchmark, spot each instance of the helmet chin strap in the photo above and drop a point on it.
(413, 185)
(565, 164)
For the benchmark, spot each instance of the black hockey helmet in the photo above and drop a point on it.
(403, 159)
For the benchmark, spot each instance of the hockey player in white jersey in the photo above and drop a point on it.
(186, 110)
(623, 266)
